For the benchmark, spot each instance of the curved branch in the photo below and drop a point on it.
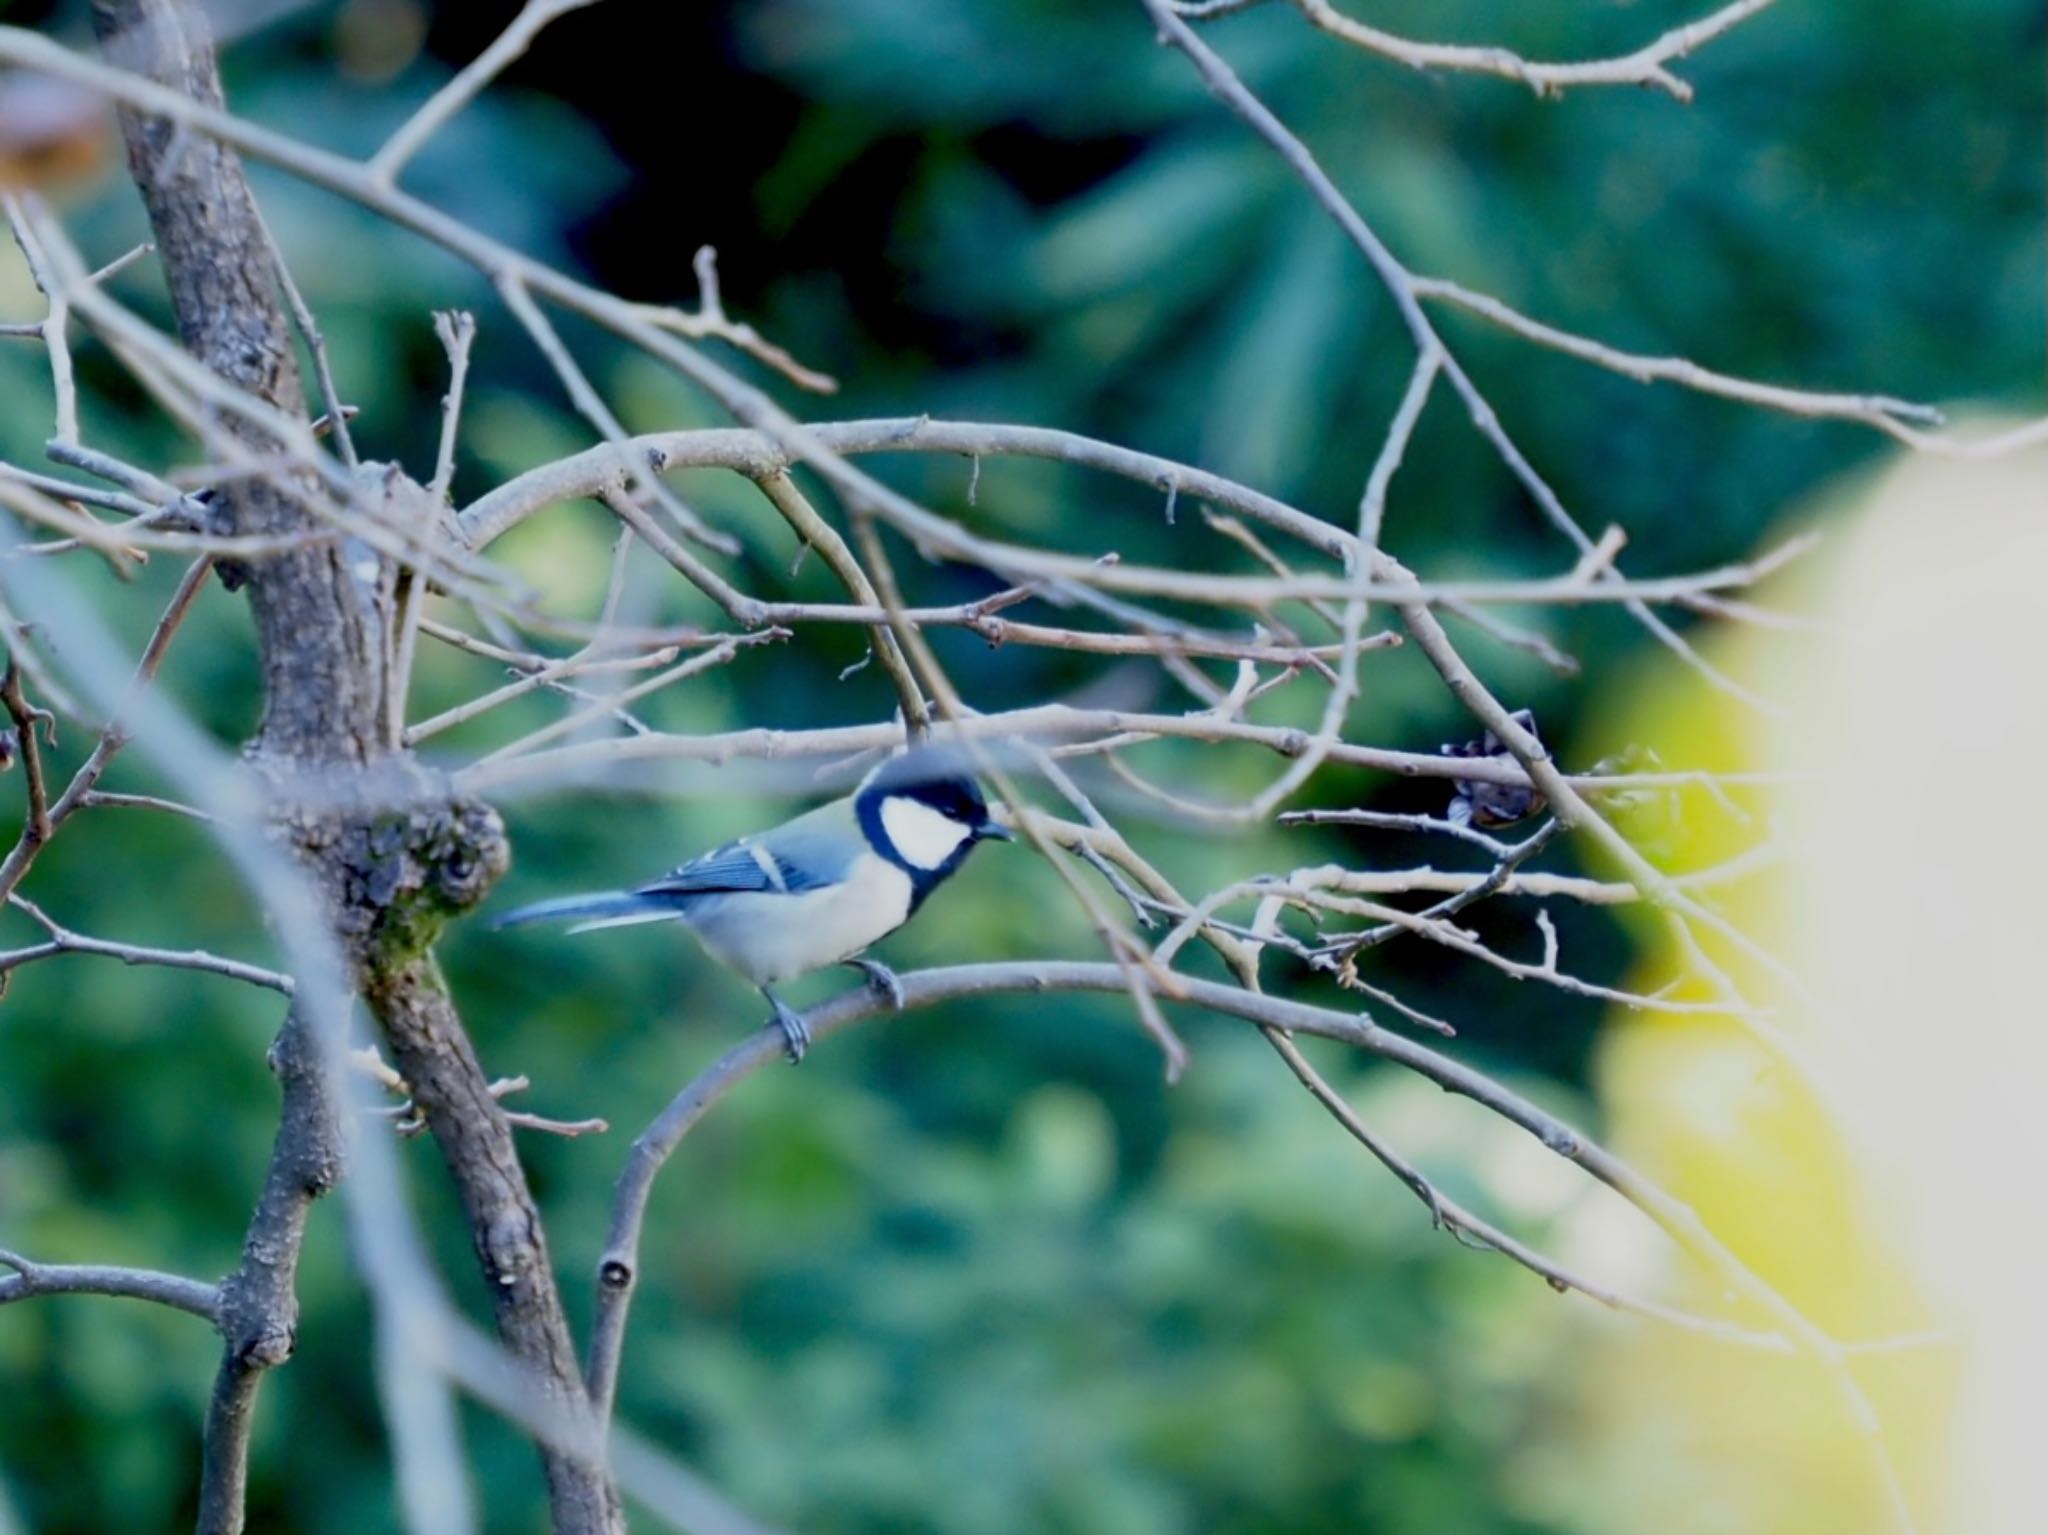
(173, 1290)
(757, 453)
(601, 473)
(618, 1266)
(1644, 67)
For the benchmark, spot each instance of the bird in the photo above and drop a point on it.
(1475, 802)
(814, 891)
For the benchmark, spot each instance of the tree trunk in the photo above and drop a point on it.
(392, 850)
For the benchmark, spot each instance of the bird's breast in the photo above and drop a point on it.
(769, 936)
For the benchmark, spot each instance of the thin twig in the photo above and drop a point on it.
(816, 533)
(64, 941)
(725, 650)
(591, 406)
(412, 135)
(334, 420)
(1447, 1214)
(1883, 412)
(55, 325)
(113, 737)
(98, 797)
(456, 330)
(351, 179)
(1644, 67)
(1400, 285)
(1494, 881)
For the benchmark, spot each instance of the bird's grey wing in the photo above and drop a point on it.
(743, 866)
(813, 852)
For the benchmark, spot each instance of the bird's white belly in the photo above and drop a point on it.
(769, 937)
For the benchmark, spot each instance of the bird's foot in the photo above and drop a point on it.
(882, 979)
(796, 1037)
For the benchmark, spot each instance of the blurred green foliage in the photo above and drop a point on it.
(977, 1270)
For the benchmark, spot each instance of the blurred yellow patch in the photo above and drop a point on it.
(1875, 1194)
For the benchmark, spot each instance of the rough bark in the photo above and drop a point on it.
(316, 623)
(431, 1049)
(259, 1306)
(390, 876)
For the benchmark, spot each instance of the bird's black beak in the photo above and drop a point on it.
(995, 831)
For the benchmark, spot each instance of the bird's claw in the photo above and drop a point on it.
(796, 1036)
(882, 979)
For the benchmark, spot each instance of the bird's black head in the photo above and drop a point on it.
(923, 814)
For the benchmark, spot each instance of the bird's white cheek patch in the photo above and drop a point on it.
(921, 834)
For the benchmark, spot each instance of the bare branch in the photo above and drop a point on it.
(591, 406)
(756, 455)
(352, 180)
(1495, 880)
(1448, 1215)
(1400, 286)
(711, 322)
(88, 495)
(456, 329)
(1874, 410)
(98, 797)
(173, 1290)
(1514, 635)
(1644, 67)
(725, 650)
(408, 1120)
(582, 664)
(63, 941)
(32, 726)
(113, 738)
(433, 1054)
(334, 421)
(259, 1304)
(815, 532)
(55, 326)
(1090, 730)
(618, 1267)
(412, 135)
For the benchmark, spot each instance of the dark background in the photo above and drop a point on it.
(978, 1270)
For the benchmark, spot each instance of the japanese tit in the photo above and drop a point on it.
(814, 891)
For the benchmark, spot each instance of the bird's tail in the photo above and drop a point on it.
(606, 908)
